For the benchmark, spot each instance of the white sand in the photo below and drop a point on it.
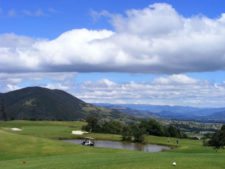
(78, 132)
(16, 129)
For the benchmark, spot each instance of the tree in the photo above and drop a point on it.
(112, 126)
(92, 124)
(172, 131)
(127, 134)
(2, 110)
(133, 132)
(218, 139)
(138, 133)
(152, 127)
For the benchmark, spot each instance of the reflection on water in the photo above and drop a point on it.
(125, 145)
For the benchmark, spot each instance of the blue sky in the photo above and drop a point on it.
(70, 14)
(44, 37)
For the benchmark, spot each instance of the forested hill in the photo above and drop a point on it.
(36, 103)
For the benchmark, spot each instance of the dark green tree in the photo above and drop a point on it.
(112, 126)
(2, 110)
(133, 132)
(218, 139)
(127, 134)
(172, 131)
(152, 127)
(92, 124)
(137, 133)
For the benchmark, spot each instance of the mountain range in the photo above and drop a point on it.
(170, 112)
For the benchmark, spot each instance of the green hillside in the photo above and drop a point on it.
(36, 103)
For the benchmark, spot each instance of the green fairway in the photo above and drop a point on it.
(37, 147)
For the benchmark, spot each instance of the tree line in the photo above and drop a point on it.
(132, 131)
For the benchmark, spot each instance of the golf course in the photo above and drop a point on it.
(39, 145)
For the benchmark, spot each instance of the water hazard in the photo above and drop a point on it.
(125, 145)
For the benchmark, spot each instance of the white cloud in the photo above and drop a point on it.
(172, 90)
(156, 20)
(34, 13)
(97, 15)
(11, 87)
(12, 81)
(178, 89)
(156, 39)
(57, 86)
(175, 79)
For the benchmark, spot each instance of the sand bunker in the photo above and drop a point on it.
(78, 132)
(16, 129)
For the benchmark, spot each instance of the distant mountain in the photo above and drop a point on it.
(170, 112)
(217, 116)
(36, 103)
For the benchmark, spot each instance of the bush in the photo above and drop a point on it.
(112, 127)
(218, 139)
(172, 131)
(152, 127)
(133, 133)
(127, 134)
(92, 125)
(103, 126)
(138, 133)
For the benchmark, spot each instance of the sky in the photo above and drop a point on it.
(136, 51)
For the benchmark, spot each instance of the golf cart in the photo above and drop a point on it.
(88, 141)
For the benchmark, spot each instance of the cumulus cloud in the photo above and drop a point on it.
(57, 80)
(175, 79)
(177, 89)
(156, 20)
(156, 39)
(169, 90)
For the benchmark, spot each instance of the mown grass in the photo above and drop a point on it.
(36, 148)
(44, 129)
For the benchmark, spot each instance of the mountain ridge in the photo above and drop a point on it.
(38, 103)
(170, 112)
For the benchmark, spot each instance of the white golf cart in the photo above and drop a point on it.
(88, 141)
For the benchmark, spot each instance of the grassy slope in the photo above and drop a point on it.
(33, 150)
(44, 129)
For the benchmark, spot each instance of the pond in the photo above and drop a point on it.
(125, 145)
